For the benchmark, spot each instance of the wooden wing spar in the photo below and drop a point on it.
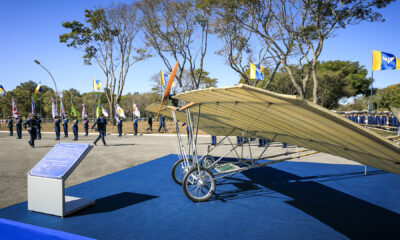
(264, 114)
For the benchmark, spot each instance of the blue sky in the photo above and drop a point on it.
(31, 29)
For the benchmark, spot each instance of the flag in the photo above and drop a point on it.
(39, 88)
(84, 113)
(32, 105)
(96, 84)
(98, 110)
(163, 78)
(384, 61)
(136, 111)
(74, 112)
(14, 108)
(62, 111)
(256, 72)
(53, 108)
(103, 110)
(119, 111)
(2, 91)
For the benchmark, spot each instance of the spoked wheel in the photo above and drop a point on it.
(179, 170)
(199, 184)
(208, 160)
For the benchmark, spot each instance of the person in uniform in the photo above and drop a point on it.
(119, 126)
(101, 123)
(378, 118)
(18, 126)
(11, 125)
(162, 124)
(65, 126)
(57, 122)
(150, 122)
(75, 128)
(86, 125)
(213, 140)
(135, 126)
(385, 118)
(38, 127)
(30, 124)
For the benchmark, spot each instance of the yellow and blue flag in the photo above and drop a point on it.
(256, 72)
(384, 61)
(2, 91)
(163, 78)
(39, 88)
(96, 84)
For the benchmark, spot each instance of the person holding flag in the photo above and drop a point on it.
(38, 127)
(18, 126)
(75, 127)
(57, 121)
(74, 114)
(30, 124)
(65, 125)
(101, 123)
(85, 120)
(119, 115)
(18, 119)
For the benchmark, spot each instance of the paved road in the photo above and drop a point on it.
(17, 158)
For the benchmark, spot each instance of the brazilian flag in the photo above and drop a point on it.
(98, 111)
(74, 112)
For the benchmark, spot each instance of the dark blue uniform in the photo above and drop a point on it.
(371, 120)
(213, 140)
(11, 126)
(119, 126)
(362, 119)
(31, 125)
(57, 128)
(101, 127)
(86, 126)
(65, 126)
(75, 129)
(135, 126)
(18, 126)
(162, 124)
(38, 128)
(150, 122)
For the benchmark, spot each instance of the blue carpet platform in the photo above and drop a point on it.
(288, 200)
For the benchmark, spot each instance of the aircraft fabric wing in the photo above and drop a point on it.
(266, 114)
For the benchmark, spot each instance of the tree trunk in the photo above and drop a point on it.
(315, 88)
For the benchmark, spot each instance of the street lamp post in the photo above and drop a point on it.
(55, 85)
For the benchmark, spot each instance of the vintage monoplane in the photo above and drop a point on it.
(251, 112)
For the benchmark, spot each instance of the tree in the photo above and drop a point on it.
(22, 94)
(170, 28)
(108, 38)
(295, 30)
(389, 96)
(339, 79)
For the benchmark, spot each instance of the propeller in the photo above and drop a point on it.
(168, 87)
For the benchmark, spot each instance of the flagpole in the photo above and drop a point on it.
(371, 106)
(40, 105)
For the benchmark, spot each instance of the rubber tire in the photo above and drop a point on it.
(210, 192)
(176, 164)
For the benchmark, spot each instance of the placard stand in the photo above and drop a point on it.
(46, 181)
